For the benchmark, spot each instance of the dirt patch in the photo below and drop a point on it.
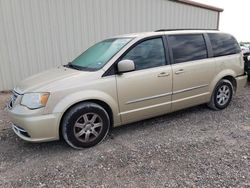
(4, 120)
(196, 147)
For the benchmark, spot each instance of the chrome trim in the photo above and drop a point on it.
(189, 89)
(148, 98)
(13, 99)
(18, 128)
(7, 106)
(17, 91)
(20, 132)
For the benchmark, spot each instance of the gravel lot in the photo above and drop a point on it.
(195, 147)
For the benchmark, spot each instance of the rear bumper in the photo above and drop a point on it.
(241, 82)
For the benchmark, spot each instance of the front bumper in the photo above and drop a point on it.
(37, 128)
(241, 82)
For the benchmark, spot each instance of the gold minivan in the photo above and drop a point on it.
(126, 79)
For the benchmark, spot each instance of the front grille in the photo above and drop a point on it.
(13, 99)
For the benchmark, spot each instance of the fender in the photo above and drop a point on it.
(85, 95)
(219, 76)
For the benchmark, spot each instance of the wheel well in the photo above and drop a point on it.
(232, 80)
(99, 102)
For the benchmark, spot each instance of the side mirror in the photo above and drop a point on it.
(125, 66)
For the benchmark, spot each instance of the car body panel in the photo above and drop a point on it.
(144, 94)
(38, 81)
(131, 96)
(41, 128)
(241, 82)
(106, 93)
(192, 85)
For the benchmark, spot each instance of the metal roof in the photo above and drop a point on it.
(201, 5)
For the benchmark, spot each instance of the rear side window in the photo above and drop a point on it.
(223, 44)
(188, 47)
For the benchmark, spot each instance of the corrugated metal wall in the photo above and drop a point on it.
(39, 34)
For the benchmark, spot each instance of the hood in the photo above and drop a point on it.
(47, 79)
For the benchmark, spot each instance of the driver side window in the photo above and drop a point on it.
(147, 54)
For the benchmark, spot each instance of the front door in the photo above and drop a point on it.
(145, 92)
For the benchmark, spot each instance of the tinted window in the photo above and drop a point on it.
(147, 54)
(188, 47)
(223, 44)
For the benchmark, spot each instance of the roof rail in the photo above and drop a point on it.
(160, 30)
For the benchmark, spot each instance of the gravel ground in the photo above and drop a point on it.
(196, 147)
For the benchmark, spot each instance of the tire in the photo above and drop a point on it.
(248, 77)
(85, 125)
(222, 95)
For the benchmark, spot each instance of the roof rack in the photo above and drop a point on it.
(160, 30)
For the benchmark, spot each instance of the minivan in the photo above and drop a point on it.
(125, 79)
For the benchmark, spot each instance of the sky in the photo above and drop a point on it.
(235, 17)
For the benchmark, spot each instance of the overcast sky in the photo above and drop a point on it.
(235, 17)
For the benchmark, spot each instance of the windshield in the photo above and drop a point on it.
(98, 55)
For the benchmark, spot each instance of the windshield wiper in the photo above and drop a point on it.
(77, 67)
(70, 65)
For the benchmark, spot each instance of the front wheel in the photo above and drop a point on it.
(85, 125)
(222, 95)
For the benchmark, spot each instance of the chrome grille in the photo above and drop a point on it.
(13, 99)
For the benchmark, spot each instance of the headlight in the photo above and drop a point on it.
(35, 100)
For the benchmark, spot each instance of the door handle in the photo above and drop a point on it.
(163, 74)
(179, 71)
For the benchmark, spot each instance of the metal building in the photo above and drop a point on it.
(36, 35)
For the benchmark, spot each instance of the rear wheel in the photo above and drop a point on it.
(222, 95)
(85, 125)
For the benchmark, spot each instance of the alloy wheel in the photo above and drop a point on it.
(223, 95)
(88, 127)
